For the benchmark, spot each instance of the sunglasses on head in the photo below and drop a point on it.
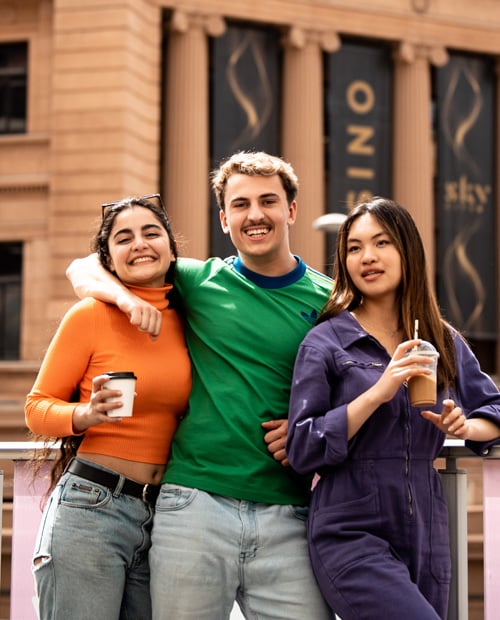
(109, 205)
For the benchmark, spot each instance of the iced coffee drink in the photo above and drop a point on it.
(422, 388)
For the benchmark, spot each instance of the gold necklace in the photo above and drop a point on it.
(391, 332)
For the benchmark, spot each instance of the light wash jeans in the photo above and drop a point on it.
(93, 551)
(208, 551)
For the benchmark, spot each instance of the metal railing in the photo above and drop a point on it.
(455, 487)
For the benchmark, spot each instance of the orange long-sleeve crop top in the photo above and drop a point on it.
(94, 338)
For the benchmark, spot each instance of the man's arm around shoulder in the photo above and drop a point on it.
(89, 279)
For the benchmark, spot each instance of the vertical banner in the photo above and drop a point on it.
(358, 124)
(466, 238)
(244, 103)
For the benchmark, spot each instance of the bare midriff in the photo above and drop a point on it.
(145, 473)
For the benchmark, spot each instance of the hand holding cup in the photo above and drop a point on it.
(423, 388)
(125, 382)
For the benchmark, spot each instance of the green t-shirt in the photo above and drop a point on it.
(243, 331)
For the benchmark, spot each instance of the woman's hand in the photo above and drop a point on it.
(401, 368)
(450, 421)
(96, 410)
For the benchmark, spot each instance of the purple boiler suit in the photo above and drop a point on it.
(378, 521)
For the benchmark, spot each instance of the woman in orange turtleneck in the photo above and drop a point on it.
(91, 555)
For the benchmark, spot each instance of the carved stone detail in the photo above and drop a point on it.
(409, 52)
(183, 20)
(298, 37)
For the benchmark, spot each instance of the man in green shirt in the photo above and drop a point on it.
(230, 519)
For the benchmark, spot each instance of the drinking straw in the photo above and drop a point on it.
(415, 335)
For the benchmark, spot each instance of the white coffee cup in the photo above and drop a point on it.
(125, 382)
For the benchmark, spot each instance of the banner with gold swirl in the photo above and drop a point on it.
(465, 218)
(244, 102)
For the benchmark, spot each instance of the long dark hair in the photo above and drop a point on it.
(415, 297)
(68, 446)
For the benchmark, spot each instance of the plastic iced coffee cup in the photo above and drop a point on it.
(125, 382)
(422, 388)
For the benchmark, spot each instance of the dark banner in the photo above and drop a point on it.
(245, 102)
(466, 237)
(358, 123)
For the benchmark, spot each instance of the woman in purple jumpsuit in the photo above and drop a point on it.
(378, 522)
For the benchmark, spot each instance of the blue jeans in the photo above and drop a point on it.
(91, 554)
(208, 551)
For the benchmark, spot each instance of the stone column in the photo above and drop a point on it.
(185, 147)
(303, 131)
(414, 156)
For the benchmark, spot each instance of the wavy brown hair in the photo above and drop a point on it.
(416, 298)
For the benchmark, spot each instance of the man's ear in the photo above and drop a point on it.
(292, 213)
(223, 222)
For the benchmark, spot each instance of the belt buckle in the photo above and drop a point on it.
(145, 490)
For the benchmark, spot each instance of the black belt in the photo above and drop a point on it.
(147, 492)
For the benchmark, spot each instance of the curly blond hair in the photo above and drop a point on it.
(254, 164)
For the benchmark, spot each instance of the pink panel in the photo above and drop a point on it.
(491, 521)
(25, 520)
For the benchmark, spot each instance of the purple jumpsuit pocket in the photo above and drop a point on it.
(340, 533)
(440, 563)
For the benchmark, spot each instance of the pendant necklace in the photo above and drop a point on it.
(391, 332)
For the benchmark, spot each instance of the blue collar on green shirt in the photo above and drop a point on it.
(269, 281)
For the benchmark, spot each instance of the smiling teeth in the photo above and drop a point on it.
(257, 231)
(142, 259)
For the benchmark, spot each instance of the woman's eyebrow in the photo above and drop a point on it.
(375, 236)
(129, 230)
